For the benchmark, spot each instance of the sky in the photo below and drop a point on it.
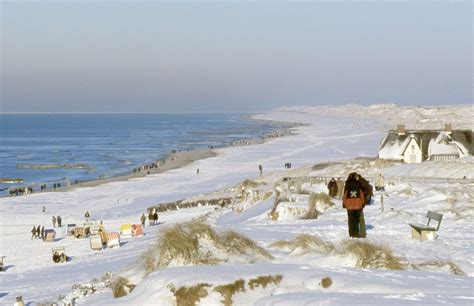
(232, 56)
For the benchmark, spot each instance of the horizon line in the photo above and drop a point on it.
(54, 113)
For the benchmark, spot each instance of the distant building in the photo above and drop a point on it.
(415, 146)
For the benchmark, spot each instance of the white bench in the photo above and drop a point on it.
(426, 232)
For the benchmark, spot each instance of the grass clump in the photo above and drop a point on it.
(314, 199)
(326, 282)
(196, 243)
(227, 291)
(304, 244)
(236, 243)
(121, 287)
(274, 215)
(453, 268)
(369, 255)
(264, 281)
(189, 296)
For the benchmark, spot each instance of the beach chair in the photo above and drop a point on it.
(426, 232)
(103, 237)
(94, 229)
(60, 232)
(1, 263)
(70, 229)
(126, 230)
(95, 242)
(78, 232)
(89, 225)
(49, 235)
(113, 239)
(137, 230)
(59, 254)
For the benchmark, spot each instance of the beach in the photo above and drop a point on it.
(328, 135)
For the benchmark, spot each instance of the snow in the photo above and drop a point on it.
(330, 134)
(442, 145)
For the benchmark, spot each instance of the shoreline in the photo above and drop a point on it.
(172, 160)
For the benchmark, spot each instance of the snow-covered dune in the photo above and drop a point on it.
(330, 134)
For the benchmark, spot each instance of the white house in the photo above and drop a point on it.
(412, 151)
(415, 146)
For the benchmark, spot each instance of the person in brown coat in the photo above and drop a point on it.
(332, 188)
(368, 191)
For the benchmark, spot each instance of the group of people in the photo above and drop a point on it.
(356, 194)
(20, 191)
(152, 218)
(37, 232)
(57, 221)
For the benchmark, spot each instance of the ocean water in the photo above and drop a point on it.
(113, 144)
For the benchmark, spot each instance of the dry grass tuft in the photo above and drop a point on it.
(406, 192)
(264, 281)
(182, 245)
(326, 282)
(453, 268)
(179, 243)
(383, 163)
(282, 244)
(236, 243)
(320, 198)
(247, 183)
(304, 244)
(227, 291)
(189, 296)
(369, 255)
(121, 287)
(278, 199)
(312, 243)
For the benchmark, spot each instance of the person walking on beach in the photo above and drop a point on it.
(150, 218)
(59, 221)
(42, 232)
(353, 200)
(38, 231)
(54, 221)
(87, 216)
(143, 219)
(33, 232)
(260, 168)
(155, 218)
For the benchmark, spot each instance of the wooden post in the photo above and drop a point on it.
(381, 200)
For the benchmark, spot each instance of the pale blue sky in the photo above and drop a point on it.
(232, 56)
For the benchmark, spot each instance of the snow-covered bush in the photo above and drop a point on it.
(317, 204)
(121, 286)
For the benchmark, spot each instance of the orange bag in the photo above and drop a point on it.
(353, 203)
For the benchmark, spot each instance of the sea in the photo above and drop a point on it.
(111, 144)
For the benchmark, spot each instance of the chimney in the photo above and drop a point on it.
(401, 129)
(448, 128)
